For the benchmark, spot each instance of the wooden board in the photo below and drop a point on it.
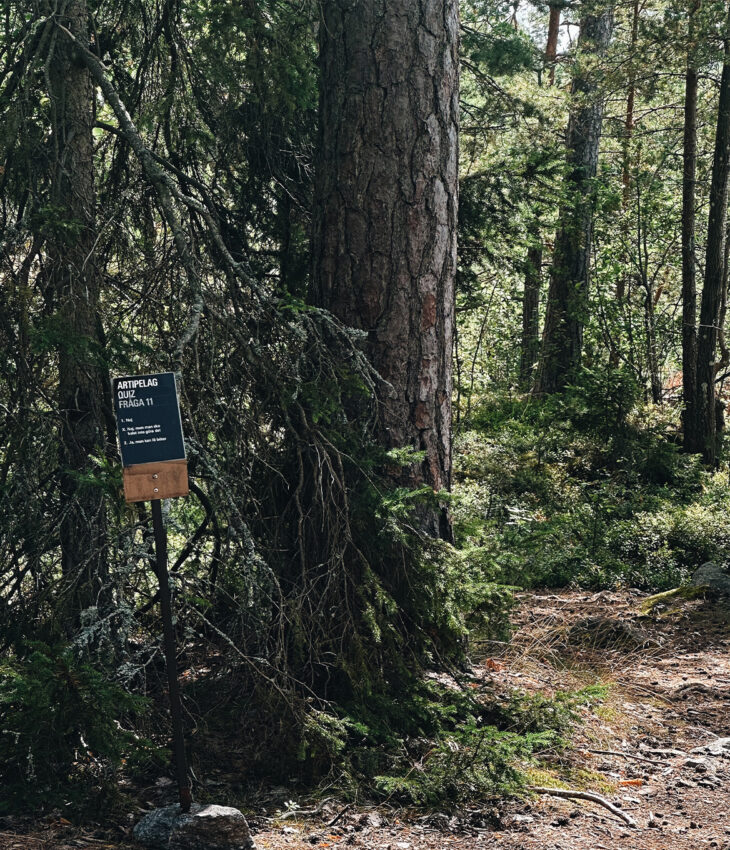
(144, 482)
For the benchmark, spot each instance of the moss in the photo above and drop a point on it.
(684, 593)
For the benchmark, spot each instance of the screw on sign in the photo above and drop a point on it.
(154, 468)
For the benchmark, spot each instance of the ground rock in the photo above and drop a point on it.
(718, 747)
(370, 820)
(700, 765)
(202, 828)
(714, 577)
(155, 827)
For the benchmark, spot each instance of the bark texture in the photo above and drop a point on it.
(76, 285)
(707, 417)
(567, 296)
(626, 182)
(384, 241)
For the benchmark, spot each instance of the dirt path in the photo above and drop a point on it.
(653, 746)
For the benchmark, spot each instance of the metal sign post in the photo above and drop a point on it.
(168, 632)
(155, 468)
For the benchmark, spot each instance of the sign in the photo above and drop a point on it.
(153, 457)
(150, 437)
(148, 418)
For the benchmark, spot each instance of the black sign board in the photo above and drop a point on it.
(148, 418)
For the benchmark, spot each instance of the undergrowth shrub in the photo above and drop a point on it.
(587, 488)
(61, 730)
(485, 749)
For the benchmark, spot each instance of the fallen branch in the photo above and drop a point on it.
(585, 795)
(339, 815)
(667, 753)
(308, 813)
(627, 756)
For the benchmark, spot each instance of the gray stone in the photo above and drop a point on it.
(718, 747)
(202, 828)
(712, 576)
(155, 827)
(370, 820)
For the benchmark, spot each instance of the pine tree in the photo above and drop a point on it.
(75, 282)
(384, 248)
(567, 297)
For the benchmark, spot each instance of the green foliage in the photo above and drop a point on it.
(469, 765)
(502, 49)
(557, 493)
(440, 745)
(533, 714)
(61, 732)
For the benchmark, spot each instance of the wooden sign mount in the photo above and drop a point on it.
(145, 482)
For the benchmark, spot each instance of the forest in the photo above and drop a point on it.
(442, 287)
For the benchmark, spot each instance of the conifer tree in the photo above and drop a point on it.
(705, 434)
(384, 248)
(75, 283)
(562, 342)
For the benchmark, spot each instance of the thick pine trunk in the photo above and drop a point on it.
(689, 282)
(384, 242)
(567, 296)
(705, 431)
(81, 391)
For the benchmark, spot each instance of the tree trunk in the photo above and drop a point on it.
(689, 283)
(530, 349)
(81, 389)
(384, 242)
(705, 427)
(626, 160)
(652, 357)
(530, 343)
(551, 47)
(629, 119)
(567, 297)
(613, 359)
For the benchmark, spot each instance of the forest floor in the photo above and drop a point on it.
(653, 745)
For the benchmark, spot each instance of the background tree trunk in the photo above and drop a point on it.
(705, 431)
(626, 184)
(530, 349)
(689, 283)
(567, 297)
(551, 46)
(81, 390)
(530, 343)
